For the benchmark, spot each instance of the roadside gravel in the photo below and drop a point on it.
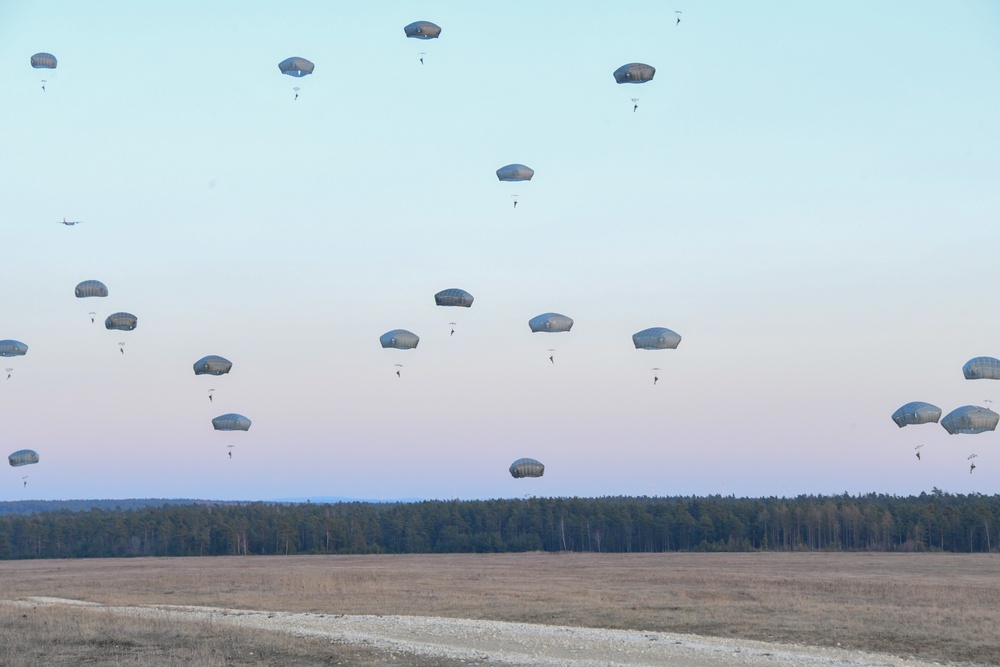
(496, 642)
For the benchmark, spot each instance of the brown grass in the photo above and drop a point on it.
(942, 607)
(43, 636)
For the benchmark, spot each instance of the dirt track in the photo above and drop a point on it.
(495, 642)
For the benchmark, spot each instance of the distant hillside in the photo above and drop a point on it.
(342, 499)
(36, 506)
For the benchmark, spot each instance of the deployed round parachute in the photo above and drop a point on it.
(12, 348)
(401, 339)
(121, 321)
(982, 368)
(515, 172)
(43, 61)
(550, 322)
(422, 30)
(656, 338)
(526, 468)
(634, 73)
(916, 412)
(231, 422)
(295, 66)
(213, 364)
(970, 419)
(89, 288)
(454, 297)
(23, 457)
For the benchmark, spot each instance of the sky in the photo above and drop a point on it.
(807, 193)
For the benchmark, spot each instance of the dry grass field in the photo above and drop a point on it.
(943, 607)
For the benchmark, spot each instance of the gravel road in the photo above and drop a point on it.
(496, 642)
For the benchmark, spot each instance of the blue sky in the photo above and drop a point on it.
(807, 193)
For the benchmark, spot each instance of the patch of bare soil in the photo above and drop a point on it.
(436, 640)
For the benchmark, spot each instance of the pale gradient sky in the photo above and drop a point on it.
(808, 194)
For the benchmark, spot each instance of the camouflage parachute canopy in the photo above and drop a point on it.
(23, 457)
(213, 364)
(656, 338)
(970, 419)
(43, 61)
(422, 30)
(12, 348)
(231, 422)
(295, 66)
(401, 339)
(550, 322)
(121, 321)
(526, 468)
(982, 368)
(916, 412)
(634, 73)
(515, 172)
(90, 288)
(454, 297)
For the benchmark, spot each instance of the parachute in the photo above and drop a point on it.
(634, 73)
(121, 321)
(401, 339)
(231, 422)
(12, 348)
(213, 364)
(295, 66)
(23, 457)
(970, 419)
(43, 61)
(982, 368)
(90, 288)
(526, 468)
(656, 338)
(515, 172)
(422, 30)
(550, 322)
(916, 412)
(454, 297)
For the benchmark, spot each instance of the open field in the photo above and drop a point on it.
(935, 607)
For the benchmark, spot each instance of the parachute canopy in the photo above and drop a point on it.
(91, 288)
(12, 348)
(231, 422)
(550, 322)
(916, 412)
(982, 368)
(634, 73)
(970, 419)
(121, 321)
(43, 61)
(515, 172)
(657, 338)
(401, 339)
(454, 297)
(296, 66)
(526, 468)
(23, 457)
(422, 30)
(213, 364)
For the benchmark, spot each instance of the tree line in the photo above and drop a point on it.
(34, 506)
(935, 521)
